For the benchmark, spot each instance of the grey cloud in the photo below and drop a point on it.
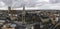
(30, 3)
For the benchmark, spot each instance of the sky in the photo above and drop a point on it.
(43, 0)
(30, 3)
(19, 3)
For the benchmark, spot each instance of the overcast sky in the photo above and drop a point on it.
(19, 3)
(30, 3)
